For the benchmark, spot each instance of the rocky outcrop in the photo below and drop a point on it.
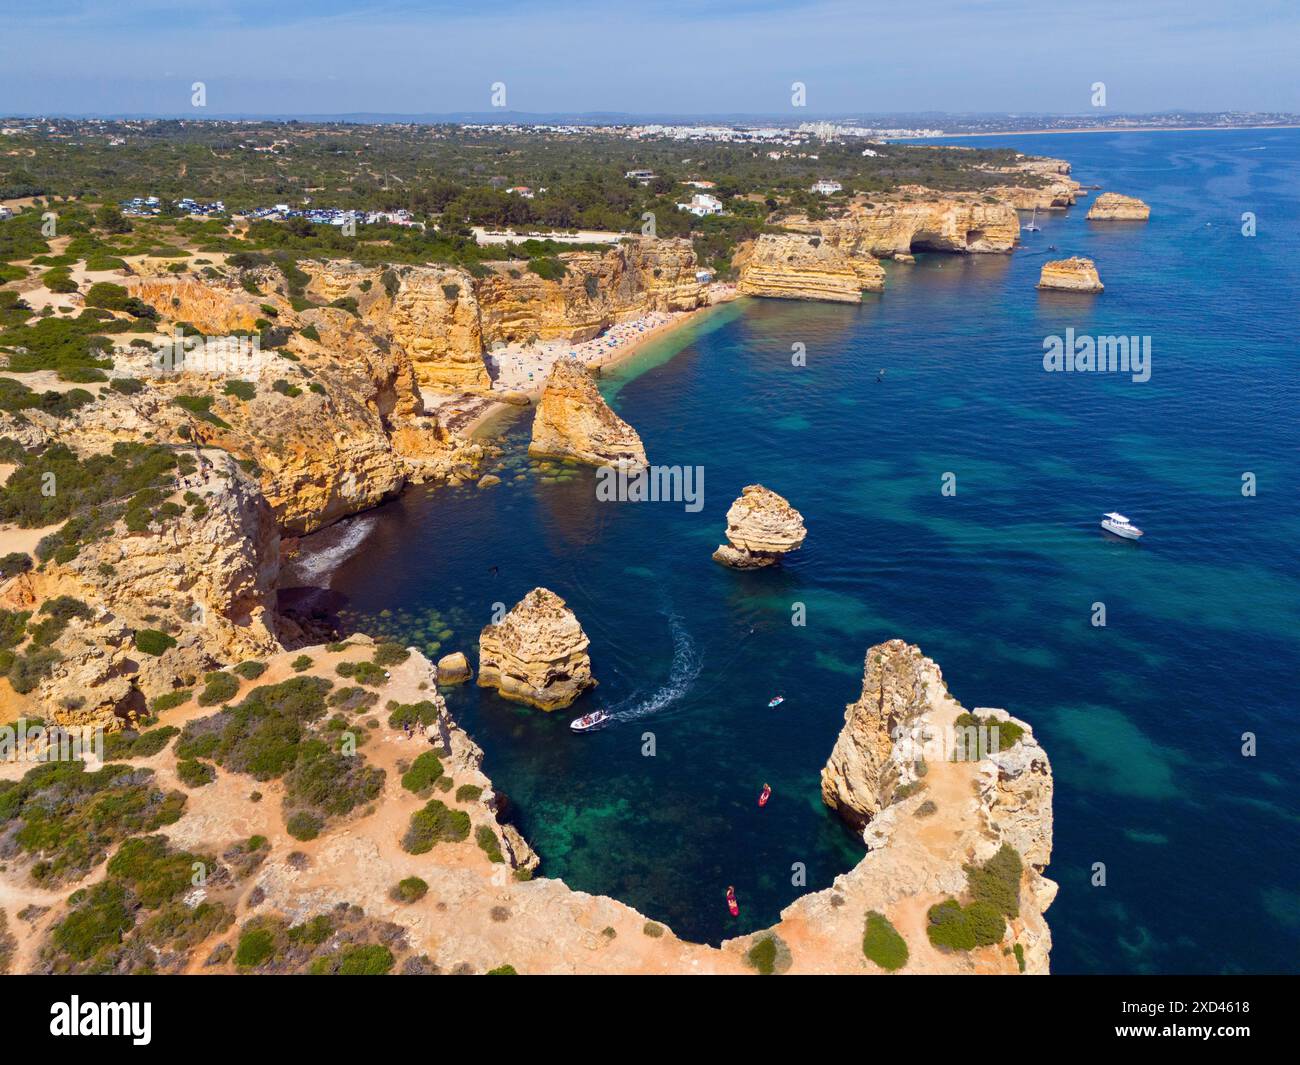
(761, 527)
(574, 421)
(453, 669)
(537, 654)
(929, 807)
(798, 267)
(865, 766)
(1112, 207)
(595, 291)
(963, 226)
(216, 308)
(1076, 274)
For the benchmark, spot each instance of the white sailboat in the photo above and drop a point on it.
(1032, 225)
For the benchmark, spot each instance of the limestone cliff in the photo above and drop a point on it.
(574, 421)
(864, 768)
(789, 266)
(965, 226)
(761, 527)
(1070, 275)
(1112, 207)
(537, 654)
(597, 290)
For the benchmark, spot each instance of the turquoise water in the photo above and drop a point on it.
(1143, 719)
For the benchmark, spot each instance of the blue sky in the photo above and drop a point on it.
(706, 56)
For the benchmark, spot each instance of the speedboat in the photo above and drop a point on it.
(1120, 526)
(777, 701)
(589, 721)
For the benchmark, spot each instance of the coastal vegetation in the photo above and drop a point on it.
(882, 944)
(994, 889)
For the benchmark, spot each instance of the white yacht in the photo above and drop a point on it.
(1032, 225)
(1120, 526)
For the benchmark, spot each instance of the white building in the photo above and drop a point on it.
(642, 176)
(701, 204)
(521, 190)
(825, 187)
(5, 212)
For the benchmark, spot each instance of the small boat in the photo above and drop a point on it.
(1032, 225)
(589, 721)
(1120, 526)
(764, 795)
(732, 905)
(774, 702)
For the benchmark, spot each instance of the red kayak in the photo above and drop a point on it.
(767, 794)
(732, 905)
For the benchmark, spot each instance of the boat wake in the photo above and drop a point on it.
(685, 670)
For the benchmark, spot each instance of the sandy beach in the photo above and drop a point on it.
(523, 371)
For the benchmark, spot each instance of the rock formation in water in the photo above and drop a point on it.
(1113, 207)
(1076, 274)
(862, 772)
(537, 653)
(574, 421)
(453, 669)
(761, 527)
(798, 267)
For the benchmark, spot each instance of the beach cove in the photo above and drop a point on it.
(996, 582)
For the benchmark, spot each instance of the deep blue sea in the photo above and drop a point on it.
(1143, 719)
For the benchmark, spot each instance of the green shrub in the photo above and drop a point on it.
(1019, 952)
(762, 955)
(468, 793)
(489, 844)
(412, 889)
(218, 688)
(256, 946)
(96, 924)
(372, 959)
(949, 927)
(436, 823)
(882, 944)
(390, 654)
(153, 642)
(241, 390)
(300, 663)
(250, 670)
(502, 970)
(194, 774)
(170, 700)
(423, 772)
(310, 332)
(653, 930)
(997, 881)
(417, 715)
(304, 826)
(14, 563)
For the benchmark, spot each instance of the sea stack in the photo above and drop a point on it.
(863, 771)
(453, 669)
(537, 653)
(1070, 275)
(573, 421)
(1112, 207)
(762, 526)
